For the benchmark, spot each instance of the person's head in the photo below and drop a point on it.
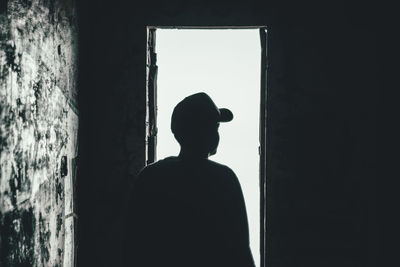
(195, 121)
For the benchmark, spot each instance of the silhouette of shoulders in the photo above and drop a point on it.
(194, 208)
(191, 175)
(175, 164)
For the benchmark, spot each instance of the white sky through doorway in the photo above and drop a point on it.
(225, 64)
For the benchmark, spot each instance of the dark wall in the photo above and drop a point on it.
(321, 124)
(322, 148)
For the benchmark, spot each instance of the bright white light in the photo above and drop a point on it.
(225, 64)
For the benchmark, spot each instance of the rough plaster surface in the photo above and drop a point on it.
(38, 128)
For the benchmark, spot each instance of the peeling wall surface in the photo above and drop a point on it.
(38, 132)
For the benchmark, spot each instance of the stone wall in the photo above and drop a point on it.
(38, 132)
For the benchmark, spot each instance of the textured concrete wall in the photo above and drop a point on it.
(38, 132)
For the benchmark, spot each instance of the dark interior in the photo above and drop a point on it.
(321, 125)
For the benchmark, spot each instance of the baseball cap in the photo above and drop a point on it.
(196, 111)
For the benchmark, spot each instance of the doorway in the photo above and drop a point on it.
(225, 64)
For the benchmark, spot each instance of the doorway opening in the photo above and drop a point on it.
(225, 64)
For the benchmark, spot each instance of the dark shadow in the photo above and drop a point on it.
(188, 210)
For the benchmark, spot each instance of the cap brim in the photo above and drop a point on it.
(226, 115)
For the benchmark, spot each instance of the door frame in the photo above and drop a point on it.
(151, 113)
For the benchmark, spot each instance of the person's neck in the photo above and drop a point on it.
(191, 154)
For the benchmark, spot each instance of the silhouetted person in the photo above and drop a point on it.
(188, 210)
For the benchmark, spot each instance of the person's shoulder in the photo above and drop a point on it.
(224, 174)
(154, 173)
(158, 165)
(220, 167)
